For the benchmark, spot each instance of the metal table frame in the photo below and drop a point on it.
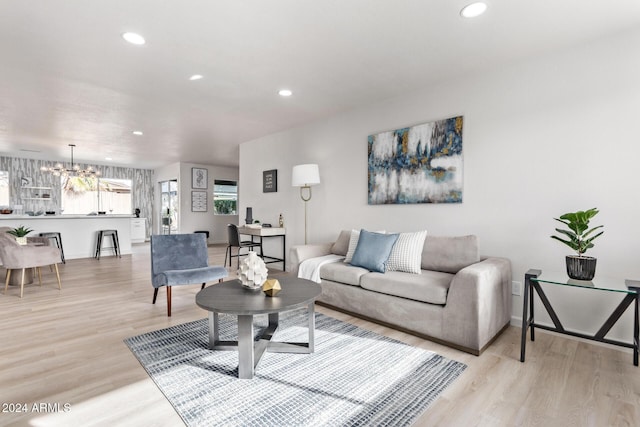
(528, 319)
(268, 232)
(250, 353)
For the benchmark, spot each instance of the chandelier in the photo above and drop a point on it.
(75, 170)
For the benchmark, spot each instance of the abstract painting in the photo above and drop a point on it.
(419, 164)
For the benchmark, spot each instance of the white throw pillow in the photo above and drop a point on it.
(353, 243)
(406, 254)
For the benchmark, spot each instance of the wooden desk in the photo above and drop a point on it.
(268, 232)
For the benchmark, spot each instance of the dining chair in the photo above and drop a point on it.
(16, 257)
(235, 242)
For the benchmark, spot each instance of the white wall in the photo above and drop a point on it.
(216, 225)
(192, 221)
(541, 138)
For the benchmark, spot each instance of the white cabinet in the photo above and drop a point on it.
(138, 230)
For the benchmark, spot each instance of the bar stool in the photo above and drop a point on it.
(114, 239)
(58, 238)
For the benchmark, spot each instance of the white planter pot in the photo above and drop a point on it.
(21, 240)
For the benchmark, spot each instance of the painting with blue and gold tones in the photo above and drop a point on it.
(419, 164)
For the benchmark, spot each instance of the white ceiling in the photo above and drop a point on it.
(66, 75)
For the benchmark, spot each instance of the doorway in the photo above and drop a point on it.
(169, 207)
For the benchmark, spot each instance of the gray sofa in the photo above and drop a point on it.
(459, 299)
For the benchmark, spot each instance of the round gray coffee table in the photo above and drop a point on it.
(231, 298)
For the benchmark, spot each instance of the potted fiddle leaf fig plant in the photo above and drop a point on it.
(20, 234)
(579, 237)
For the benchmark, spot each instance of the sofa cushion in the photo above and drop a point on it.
(342, 272)
(406, 254)
(430, 286)
(373, 250)
(449, 254)
(342, 243)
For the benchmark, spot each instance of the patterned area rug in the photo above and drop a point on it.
(355, 377)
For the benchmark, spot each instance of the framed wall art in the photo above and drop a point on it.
(270, 181)
(199, 178)
(198, 201)
(418, 164)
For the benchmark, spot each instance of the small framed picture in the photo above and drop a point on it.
(198, 201)
(199, 178)
(270, 181)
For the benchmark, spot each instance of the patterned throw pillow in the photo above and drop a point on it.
(406, 254)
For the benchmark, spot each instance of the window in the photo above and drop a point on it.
(115, 196)
(4, 188)
(84, 195)
(225, 197)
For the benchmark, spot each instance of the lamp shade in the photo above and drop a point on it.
(304, 175)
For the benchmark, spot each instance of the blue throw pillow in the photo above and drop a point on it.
(373, 250)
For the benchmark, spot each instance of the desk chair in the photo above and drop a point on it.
(235, 242)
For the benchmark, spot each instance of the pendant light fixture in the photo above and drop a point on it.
(75, 170)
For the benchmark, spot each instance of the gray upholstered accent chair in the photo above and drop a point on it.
(235, 242)
(23, 257)
(181, 259)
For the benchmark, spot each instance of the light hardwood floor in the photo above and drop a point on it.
(65, 347)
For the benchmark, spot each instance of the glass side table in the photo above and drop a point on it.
(628, 289)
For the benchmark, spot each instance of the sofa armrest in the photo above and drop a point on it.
(479, 302)
(299, 253)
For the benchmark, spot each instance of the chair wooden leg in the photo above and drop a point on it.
(6, 282)
(155, 295)
(169, 301)
(22, 282)
(58, 276)
(225, 255)
(39, 276)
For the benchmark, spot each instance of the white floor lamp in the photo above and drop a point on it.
(304, 176)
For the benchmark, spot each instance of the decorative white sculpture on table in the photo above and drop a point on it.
(252, 272)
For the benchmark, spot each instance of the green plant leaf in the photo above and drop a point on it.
(19, 231)
(579, 232)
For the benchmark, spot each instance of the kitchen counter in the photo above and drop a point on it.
(12, 216)
(79, 232)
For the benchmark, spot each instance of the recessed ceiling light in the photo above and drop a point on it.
(285, 92)
(474, 9)
(196, 77)
(137, 132)
(108, 158)
(134, 38)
